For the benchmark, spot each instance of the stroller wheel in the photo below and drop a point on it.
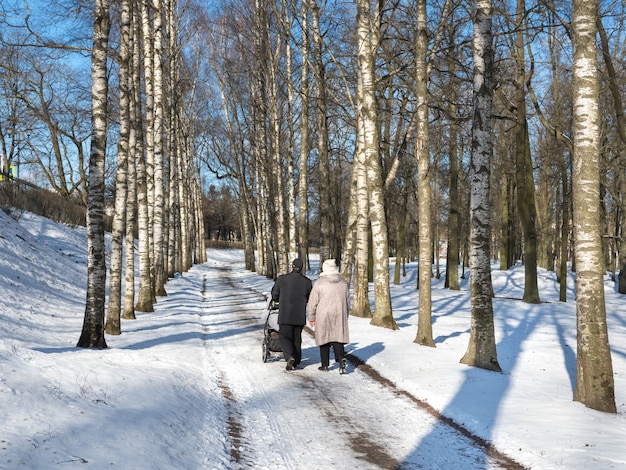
(266, 352)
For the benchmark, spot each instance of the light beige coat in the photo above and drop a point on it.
(329, 308)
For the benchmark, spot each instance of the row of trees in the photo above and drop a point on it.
(363, 128)
(390, 127)
(135, 159)
(157, 180)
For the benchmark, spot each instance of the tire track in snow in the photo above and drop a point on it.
(360, 441)
(234, 420)
(234, 424)
(245, 427)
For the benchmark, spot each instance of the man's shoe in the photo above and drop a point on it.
(290, 364)
(342, 367)
(323, 368)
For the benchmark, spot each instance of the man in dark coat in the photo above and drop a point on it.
(292, 291)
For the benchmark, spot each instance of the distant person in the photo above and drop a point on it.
(329, 307)
(292, 291)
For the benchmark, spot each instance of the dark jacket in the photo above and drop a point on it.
(292, 291)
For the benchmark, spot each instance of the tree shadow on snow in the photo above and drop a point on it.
(480, 397)
(368, 351)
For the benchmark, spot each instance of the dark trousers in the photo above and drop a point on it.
(291, 342)
(338, 350)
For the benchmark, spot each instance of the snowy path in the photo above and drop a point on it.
(307, 419)
(185, 387)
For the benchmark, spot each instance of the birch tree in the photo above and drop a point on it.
(113, 325)
(158, 238)
(92, 335)
(594, 369)
(135, 149)
(368, 26)
(319, 70)
(349, 242)
(360, 302)
(176, 126)
(259, 104)
(481, 350)
(291, 154)
(146, 296)
(303, 173)
(424, 334)
(276, 177)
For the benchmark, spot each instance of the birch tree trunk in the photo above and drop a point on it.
(113, 325)
(349, 242)
(128, 311)
(147, 19)
(303, 176)
(277, 186)
(158, 228)
(247, 226)
(146, 296)
(260, 210)
(481, 350)
(258, 145)
(175, 144)
(368, 26)
(200, 239)
(135, 145)
(146, 292)
(424, 334)
(185, 198)
(361, 303)
(92, 335)
(322, 136)
(291, 164)
(400, 265)
(174, 250)
(181, 229)
(594, 369)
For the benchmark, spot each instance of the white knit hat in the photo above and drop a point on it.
(329, 267)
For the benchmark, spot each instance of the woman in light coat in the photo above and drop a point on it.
(329, 307)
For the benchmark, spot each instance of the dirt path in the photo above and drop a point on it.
(307, 419)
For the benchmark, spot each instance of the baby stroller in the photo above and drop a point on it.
(271, 342)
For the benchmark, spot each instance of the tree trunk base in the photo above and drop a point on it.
(144, 307)
(424, 341)
(92, 341)
(113, 328)
(471, 360)
(386, 322)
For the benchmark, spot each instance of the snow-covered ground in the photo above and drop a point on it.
(185, 387)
